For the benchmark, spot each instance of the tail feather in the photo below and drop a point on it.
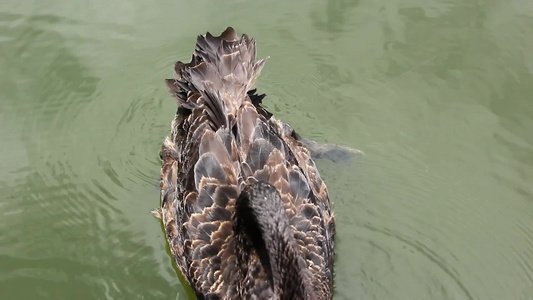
(225, 66)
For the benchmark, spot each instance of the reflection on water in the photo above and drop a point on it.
(437, 94)
(65, 232)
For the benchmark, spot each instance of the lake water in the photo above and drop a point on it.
(437, 94)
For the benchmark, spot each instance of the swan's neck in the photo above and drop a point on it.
(261, 223)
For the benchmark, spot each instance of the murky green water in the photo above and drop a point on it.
(438, 94)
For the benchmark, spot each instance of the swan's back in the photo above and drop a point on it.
(222, 143)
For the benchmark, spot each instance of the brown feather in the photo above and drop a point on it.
(222, 141)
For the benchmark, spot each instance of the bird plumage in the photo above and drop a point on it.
(245, 211)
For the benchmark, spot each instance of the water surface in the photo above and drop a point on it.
(438, 94)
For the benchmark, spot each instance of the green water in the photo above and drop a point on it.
(438, 94)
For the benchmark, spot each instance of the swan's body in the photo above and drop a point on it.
(246, 213)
